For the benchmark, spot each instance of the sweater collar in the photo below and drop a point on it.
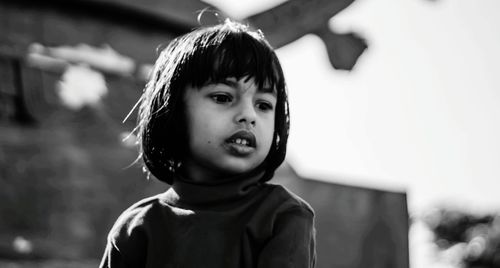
(222, 192)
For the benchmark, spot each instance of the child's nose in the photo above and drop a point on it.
(246, 114)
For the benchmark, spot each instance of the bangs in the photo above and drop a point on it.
(230, 52)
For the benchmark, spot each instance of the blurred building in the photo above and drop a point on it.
(69, 73)
(356, 226)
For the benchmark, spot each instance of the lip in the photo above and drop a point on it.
(243, 134)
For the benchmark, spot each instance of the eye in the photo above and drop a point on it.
(264, 106)
(221, 98)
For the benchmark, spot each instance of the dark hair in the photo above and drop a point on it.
(203, 56)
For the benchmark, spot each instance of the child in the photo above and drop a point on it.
(213, 123)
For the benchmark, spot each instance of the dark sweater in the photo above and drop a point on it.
(234, 223)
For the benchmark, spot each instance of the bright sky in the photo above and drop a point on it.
(421, 111)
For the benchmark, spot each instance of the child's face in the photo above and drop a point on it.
(230, 128)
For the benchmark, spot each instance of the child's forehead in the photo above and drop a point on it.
(247, 82)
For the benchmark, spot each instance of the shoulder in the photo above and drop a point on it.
(132, 221)
(128, 237)
(288, 201)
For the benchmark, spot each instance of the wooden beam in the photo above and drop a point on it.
(293, 19)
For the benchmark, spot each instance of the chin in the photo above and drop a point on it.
(236, 167)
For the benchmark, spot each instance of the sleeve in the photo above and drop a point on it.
(293, 244)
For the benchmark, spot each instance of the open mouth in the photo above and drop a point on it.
(243, 137)
(242, 142)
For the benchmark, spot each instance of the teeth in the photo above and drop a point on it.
(242, 141)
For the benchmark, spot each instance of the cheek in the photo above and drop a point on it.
(269, 132)
(192, 128)
(201, 132)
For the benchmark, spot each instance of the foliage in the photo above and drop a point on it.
(480, 235)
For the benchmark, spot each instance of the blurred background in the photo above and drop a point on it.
(394, 137)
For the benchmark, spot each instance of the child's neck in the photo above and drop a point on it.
(199, 174)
